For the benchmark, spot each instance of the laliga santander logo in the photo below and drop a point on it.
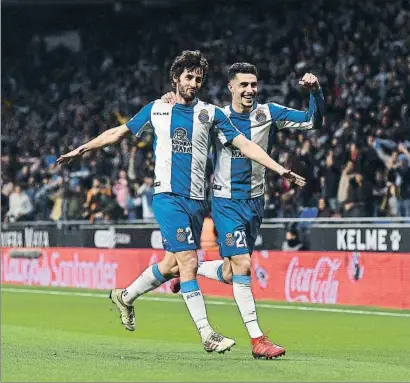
(314, 285)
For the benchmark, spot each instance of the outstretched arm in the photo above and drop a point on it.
(136, 126)
(256, 153)
(109, 137)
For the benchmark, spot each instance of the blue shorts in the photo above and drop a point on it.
(237, 222)
(180, 220)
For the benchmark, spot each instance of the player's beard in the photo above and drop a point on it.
(185, 94)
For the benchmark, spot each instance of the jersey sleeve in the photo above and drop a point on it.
(224, 129)
(298, 119)
(141, 121)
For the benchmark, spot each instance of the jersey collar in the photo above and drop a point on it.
(183, 106)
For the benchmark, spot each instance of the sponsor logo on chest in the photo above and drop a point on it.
(180, 142)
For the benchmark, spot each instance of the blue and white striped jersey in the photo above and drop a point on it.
(239, 177)
(181, 143)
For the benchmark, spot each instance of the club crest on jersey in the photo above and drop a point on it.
(260, 116)
(203, 116)
(181, 236)
(236, 153)
(229, 239)
(180, 142)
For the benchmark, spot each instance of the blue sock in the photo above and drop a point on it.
(241, 279)
(150, 279)
(189, 286)
(157, 274)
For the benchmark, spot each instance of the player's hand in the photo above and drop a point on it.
(169, 98)
(67, 158)
(294, 178)
(310, 82)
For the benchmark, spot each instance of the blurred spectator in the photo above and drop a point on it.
(146, 193)
(358, 201)
(99, 199)
(23, 175)
(403, 181)
(31, 188)
(292, 241)
(75, 201)
(121, 190)
(323, 209)
(134, 165)
(331, 181)
(58, 200)
(134, 204)
(344, 183)
(389, 205)
(42, 200)
(20, 206)
(379, 192)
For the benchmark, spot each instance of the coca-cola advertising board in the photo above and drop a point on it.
(351, 278)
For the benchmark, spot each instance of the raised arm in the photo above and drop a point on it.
(300, 119)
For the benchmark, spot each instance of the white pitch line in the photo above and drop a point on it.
(210, 302)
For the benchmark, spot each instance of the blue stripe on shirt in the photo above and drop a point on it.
(182, 121)
(241, 168)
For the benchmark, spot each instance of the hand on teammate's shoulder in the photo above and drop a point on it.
(169, 98)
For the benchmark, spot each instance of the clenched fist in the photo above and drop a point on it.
(310, 82)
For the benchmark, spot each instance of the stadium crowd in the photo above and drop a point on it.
(357, 165)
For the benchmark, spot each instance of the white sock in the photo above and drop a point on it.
(246, 304)
(150, 279)
(212, 270)
(195, 303)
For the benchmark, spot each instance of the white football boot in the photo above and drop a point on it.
(217, 342)
(126, 311)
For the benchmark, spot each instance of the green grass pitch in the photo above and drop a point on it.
(79, 338)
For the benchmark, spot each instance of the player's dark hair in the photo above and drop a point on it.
(189, 60)
(236, 68)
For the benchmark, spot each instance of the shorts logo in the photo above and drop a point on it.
(203, 116)
(181, 236)
(180, 142)
(229, 239)
(260, 115)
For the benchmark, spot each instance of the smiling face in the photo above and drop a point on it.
(244, 89)
(189, 83)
